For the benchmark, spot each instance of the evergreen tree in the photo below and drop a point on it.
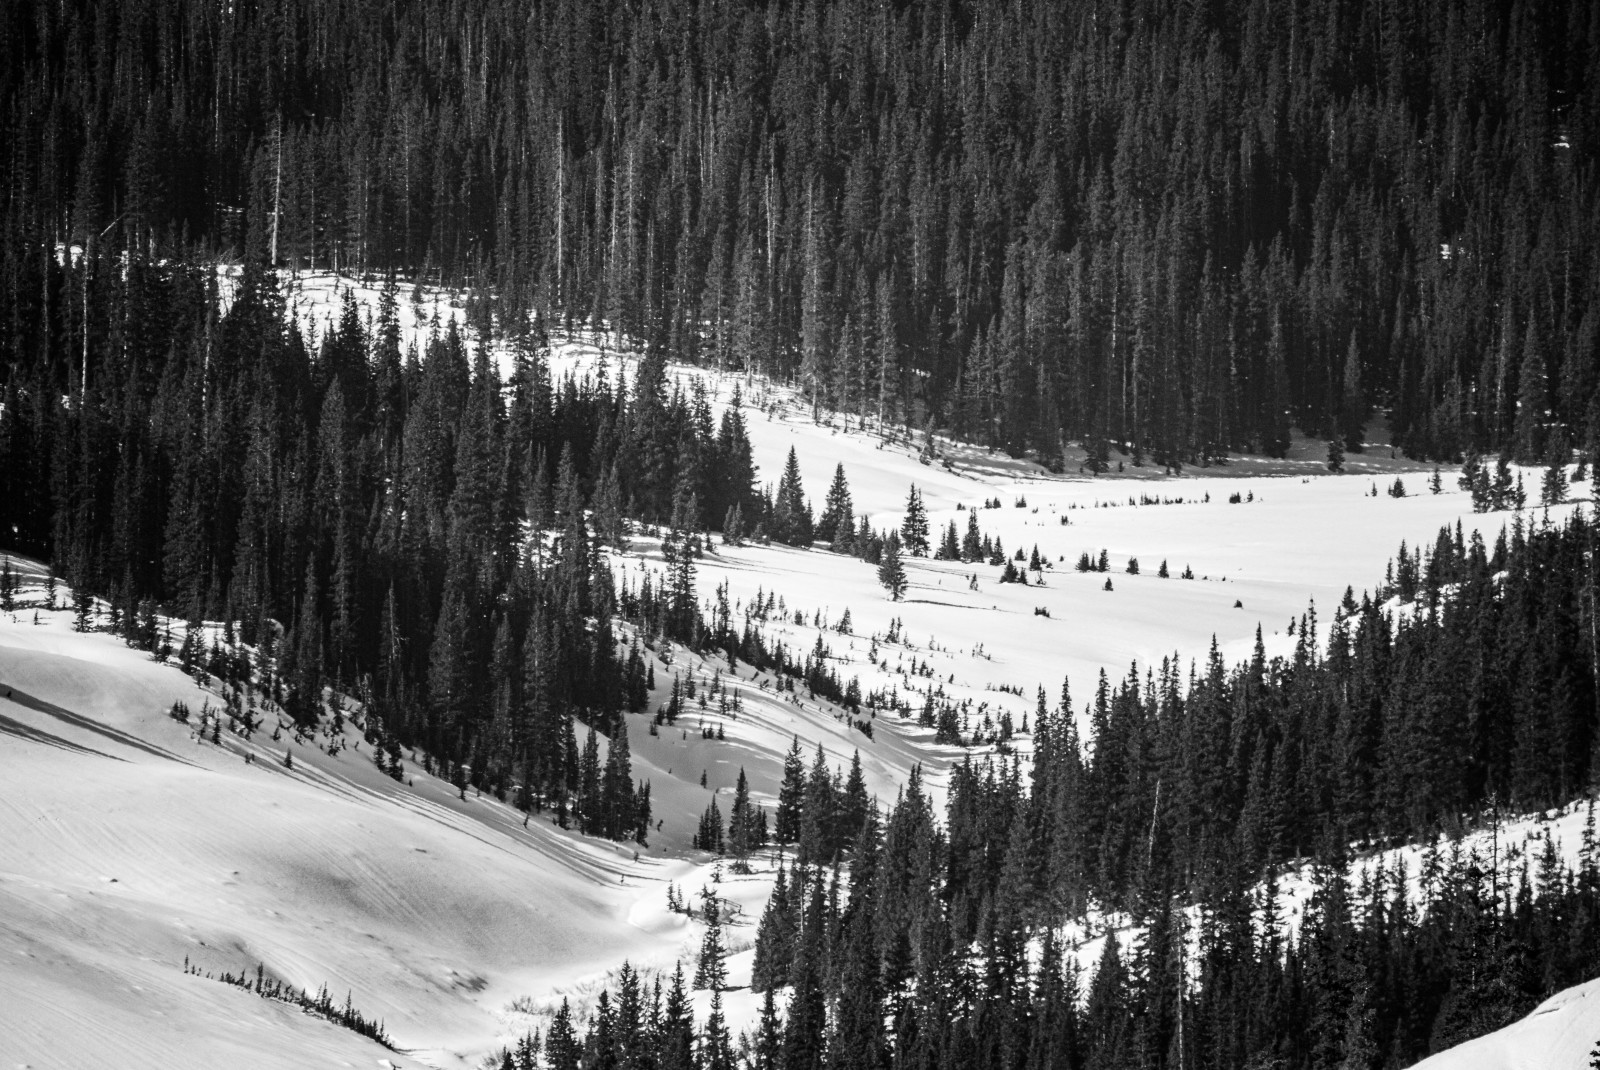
(1553, 489)
(742, 833)
(562, 1049)
(791, 796)
(610, 525)
(774, 948)
(675, 1037)
(708, 837)
(805, 1024)
(733, 526)
(837, 520)
(971, 548)
(891, 572)
(711, 972)
(791, 517)
(767, 1052)
(914, 528)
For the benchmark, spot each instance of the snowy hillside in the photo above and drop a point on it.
(130, 843)
(135, 845)
(1560, 1034)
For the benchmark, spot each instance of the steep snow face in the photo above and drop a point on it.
(130, 845)
(1560, 1034)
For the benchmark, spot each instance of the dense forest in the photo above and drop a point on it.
(1173, 230)
(1183, 812)
(1373, 978)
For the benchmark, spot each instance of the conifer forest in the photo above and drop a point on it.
(1097, 241)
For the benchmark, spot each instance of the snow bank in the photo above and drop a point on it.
(1559, 1034)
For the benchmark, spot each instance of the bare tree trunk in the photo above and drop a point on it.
(277, 191)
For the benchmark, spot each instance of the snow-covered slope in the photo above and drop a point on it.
(127, 844)
(1559, 1034)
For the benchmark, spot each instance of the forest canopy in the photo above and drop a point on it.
(1172, 230)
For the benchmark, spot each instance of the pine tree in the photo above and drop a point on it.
(675, 1037)
(1503, 486)
(844, 536)
(716, 1046)
(561, 1047)
(971, 545)
(818, 822)
(891, 572)
(590, 804)
(610, 526)
(791, 518)
(769, 1037)
(736, 472)
(682, 618)
(774, 948)
(711, 972)
(837, 520)
(804, 1034)
(914, 528)
(733, 526)
(741, 825)
(791, 795)
(708, 837)
(853, 803)
(1553, 488)
(616, 787)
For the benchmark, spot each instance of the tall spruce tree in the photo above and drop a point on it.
(914, 528)
(791, 517)
(891, 570)
(836, 523)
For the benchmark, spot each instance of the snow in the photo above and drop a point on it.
(1303, 535)
(1558, 1035)
(131, 845)
(316, 301)
(127, 844)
